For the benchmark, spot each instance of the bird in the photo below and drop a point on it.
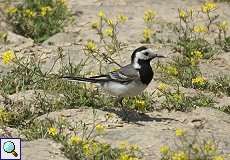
(128, 81)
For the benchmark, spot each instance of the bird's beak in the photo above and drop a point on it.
(157, 56)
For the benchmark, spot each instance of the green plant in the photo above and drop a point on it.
(221, 84)
(149, 19)
(192, 147)
(38, 19)
(80, 147)
(177, 100)
(107, 30)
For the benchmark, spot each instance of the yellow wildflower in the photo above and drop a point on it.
(140, 104)
(122, 18)
(52, 131)
(147, 34)
(62, 1)
(8, 56)
(180, 132)
(209, 147)
(91, 46)
(101, 14)
(197, 54)
(124, 156)
(4, 116)
(123, 145)
(45, 10)
(171, 70)
(110, 22)
(194, 61)
(29, 13)
(162, 86)
(86, 149)
(218, 158)
(75, 139)
(100, 129)
(180, 156)
(177, 97)
(223, 26)
(134, 147)
(199, 80)
(164, 150)
(109, 32)
(200, 29)
(208, 7)
(12, 10)
(182, 14)
(149, 16)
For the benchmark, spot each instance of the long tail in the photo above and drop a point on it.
(83, 79)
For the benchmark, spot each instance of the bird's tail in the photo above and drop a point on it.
(81, 79)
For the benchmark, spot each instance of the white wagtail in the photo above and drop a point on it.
(129, 80)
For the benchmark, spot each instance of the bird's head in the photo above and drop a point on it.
(143, 55)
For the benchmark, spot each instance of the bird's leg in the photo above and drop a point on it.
(118, 102)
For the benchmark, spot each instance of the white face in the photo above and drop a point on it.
(143, 55)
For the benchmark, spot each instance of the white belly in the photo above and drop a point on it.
(132, 89)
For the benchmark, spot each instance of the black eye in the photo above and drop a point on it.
(146, 53)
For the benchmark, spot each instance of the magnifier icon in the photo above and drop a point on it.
(9, 147)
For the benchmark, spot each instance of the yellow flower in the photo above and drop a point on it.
(109, 32)
(171, 70)
(86, 149)
(209, 147)
(8, 56)
(122, 18)
(75, 139)
(125, 156)
(123, 145)
(100, 129)
(197, 54)
(164, 150)
(52, 131)
(180, 132)
(218, 158)
(223, 26)
(134, 147)
(194, 61)
(110, 22)
(208, 7)
(29, 13)
(62, 1)
(162, 86)
(199, 80)
(45, 10)
(182, 14)
(180, 156)
(200, 29)
(101, 14)
(147, 34)
(177, 97)
(149, 16)
(91, 46)
(12, 10)
(140, 104)
(4, 116)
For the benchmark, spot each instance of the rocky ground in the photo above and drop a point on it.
(154, 129)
